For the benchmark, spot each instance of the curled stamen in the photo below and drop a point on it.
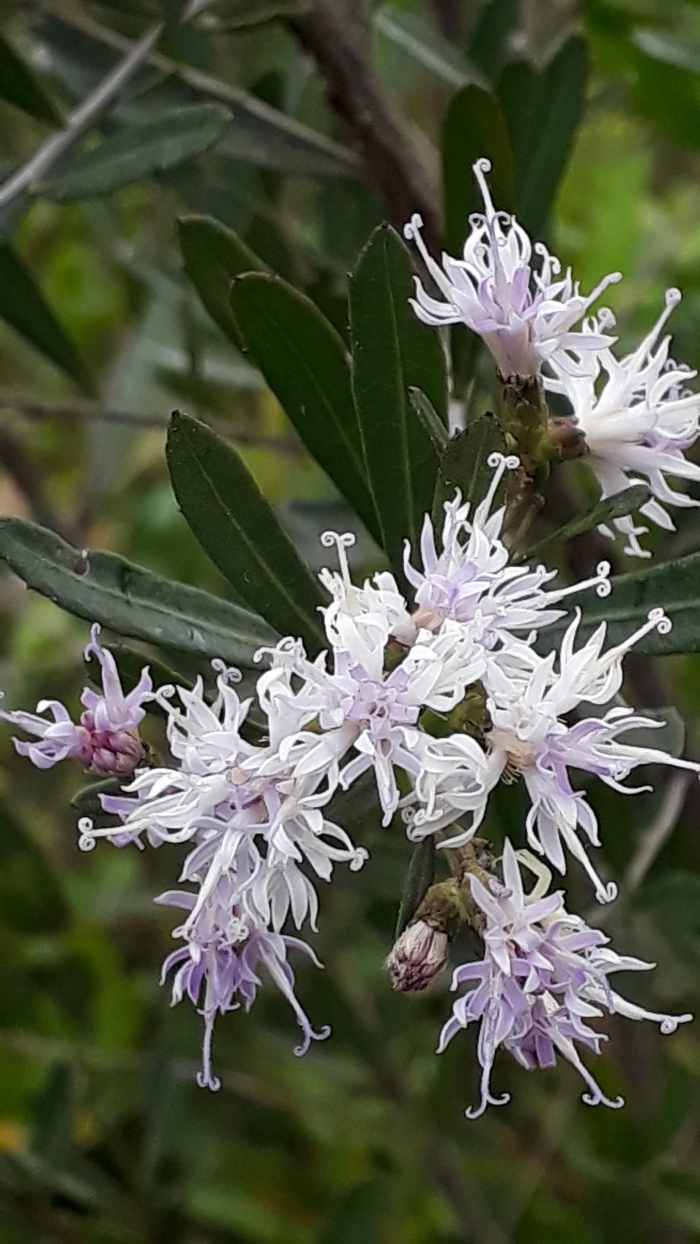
(228, 673)
(341, 541)
(86, 831)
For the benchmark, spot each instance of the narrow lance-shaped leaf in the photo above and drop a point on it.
(617, 506)
(22, 306)
(212, 256)
(305, 364)
(543, 143)
(393, 352)
(135, 153)
(419, 878)
(101, 587)
(239, 531)
(430, 419)
(474, 127)
(675, 586)
(19, 85)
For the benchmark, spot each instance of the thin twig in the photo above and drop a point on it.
(358, 97)
(79, 120)
(92, 411)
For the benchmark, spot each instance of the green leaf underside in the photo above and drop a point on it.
(674, 586)
(304, 362)
(19, 85)
(419, 878)
(239, 531)
(393, 352)
(23, 306)
(136, 153)
(617, 506)
(129, 599)
(212, 256)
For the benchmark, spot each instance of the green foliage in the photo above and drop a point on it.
(305, 364)
(233, 522)
(225, 157)
(102, 587)
(393, 353)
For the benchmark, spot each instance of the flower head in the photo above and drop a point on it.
(106, 739)
(543, 975)
(525, 316)
(637, 421)
(417, 956)
(217, 968)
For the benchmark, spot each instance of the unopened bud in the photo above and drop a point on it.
(417, 957)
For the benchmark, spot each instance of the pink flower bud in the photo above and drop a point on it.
(417, 957)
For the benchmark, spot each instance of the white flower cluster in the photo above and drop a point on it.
(255, 810)
(636, 413)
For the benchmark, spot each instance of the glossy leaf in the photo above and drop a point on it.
(546, 112)
(22, 305)
(31, 899)
(419, 878)
(430, 419)
(102, 587)
(617, 506)
(19, 85)
(474, 127)
(305, 363)
(238, 529)
(213, 255)
(135, 153)
(392, 353)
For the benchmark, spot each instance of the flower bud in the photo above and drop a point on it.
(417, 957)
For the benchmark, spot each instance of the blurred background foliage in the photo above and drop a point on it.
(288, 140)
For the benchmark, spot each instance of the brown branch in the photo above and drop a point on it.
(358, 97)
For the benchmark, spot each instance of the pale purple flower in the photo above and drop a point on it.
(543, 975)
(527, 701)
(239, 804)
(106, 739)
(638, 421)
(525, 316)
(218, 967)
(472, 581)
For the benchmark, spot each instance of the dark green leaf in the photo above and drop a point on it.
(305, 364)
(430, 419)
(136, 153)
(31, 899)
(23, 306)
(419, 878)
(213, 255)
(674, 586)
(19, 85)
(617, 506)
(488, 44)
(102, 587)
(542, 146)
(393, 352)
(359, 1216)
(238, 529)
(465, 463)
(474, 127)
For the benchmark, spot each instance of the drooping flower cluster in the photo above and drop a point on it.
(389, 697)
(636, 414)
